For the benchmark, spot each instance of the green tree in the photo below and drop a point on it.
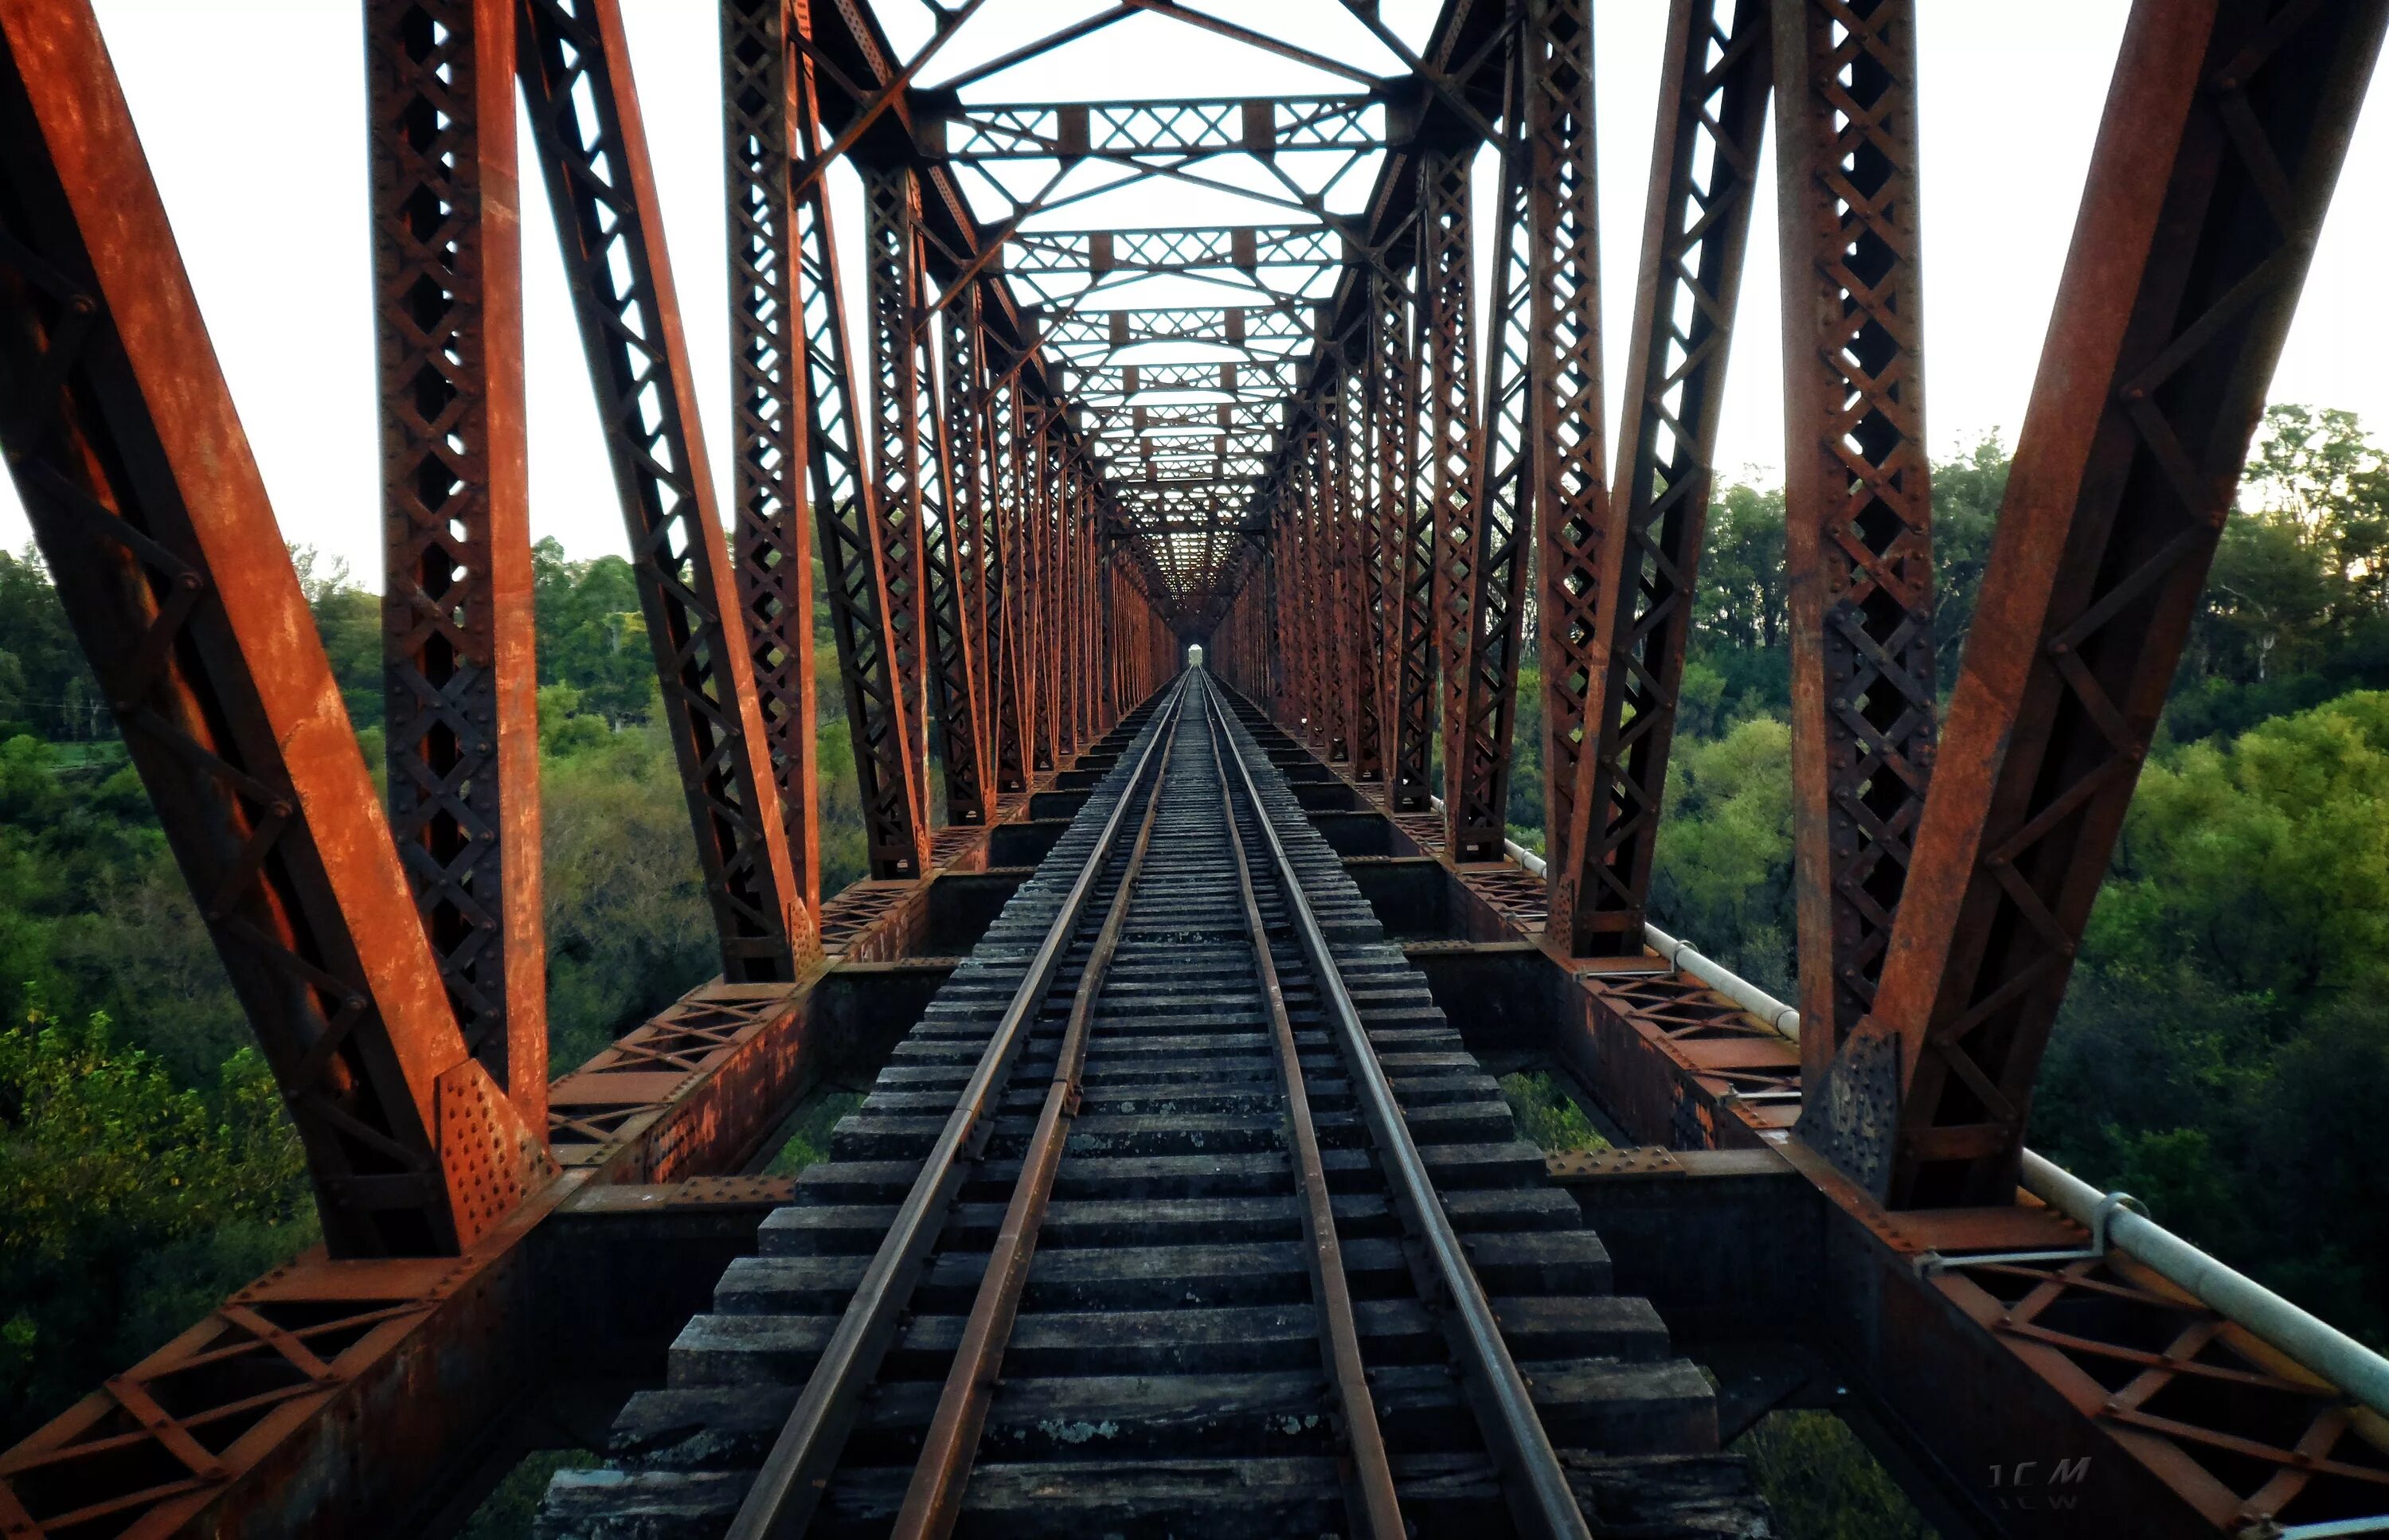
(592, 635)
(128, 1205)
(1723, 872)
(2224, 1027)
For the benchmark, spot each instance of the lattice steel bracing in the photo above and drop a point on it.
(459, 678)
(949, 661)
(901, 462)
(1539, 448)
(968, 441)
(1013, 720)
(889, 779)
(592, 147)
(121, 438)
(1857, 488)
(770, 539)
(1602, 821)
(1451, 462)
(1394, 393)
(1367, 545)
(2223, 139)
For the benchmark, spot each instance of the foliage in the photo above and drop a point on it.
(46, 689)
(805, 1137)
(629, 929)
(2296, 609)
(1548, 1116)
(592, 634)
(2222, 1053)
(507, 1513)
(128, 1205)
(1724, 859)
(1822, 1484)
(192, 1182)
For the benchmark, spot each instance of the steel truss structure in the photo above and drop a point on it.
(1056, 451)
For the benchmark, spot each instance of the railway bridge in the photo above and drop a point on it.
(1182, 1200)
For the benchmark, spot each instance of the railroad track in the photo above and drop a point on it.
(1181, 1212)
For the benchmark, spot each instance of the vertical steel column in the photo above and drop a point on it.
(771, 541)
(1365, 529)
(1062, 493)
(1038, 654)
(967, 490)
(1447, 357)
(1314, 507)
(952, 664)
(1856, 490)
(845, 520)
(892, 256)
(1013, 715)
(574, 66)
(1083, 611)
(121, 438)
(1410, 520)
(460, 681)
(1302, 606)
(1544, 128)
(1638, 619)
(1340, 598)
(2224, 136)
(1277, 638)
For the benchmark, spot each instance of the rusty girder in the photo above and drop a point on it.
(1366, 547)
(1857, 488)
(1542, 460)
(122, 438)
(1453, 453)
(968, 443)
(770, 539)
(1714, 85)
(2222, 144)
(904, 468)
(585, 112)
(459, 677)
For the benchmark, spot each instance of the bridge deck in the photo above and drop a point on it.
(1166, 1370)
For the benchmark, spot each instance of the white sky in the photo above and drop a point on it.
(253, 112)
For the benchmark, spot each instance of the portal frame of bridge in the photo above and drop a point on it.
(1363, 545)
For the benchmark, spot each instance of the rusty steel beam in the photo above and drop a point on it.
(1569, 462)
(1542, 464)
(592, 143)
(2222, 142)
(1857, 488)
(122, 438)
(893, 274)
(459, 677)
(361, 1398)
(949, 661)
(845, 502)
(1393, 387)
(1365, 529)
(1446, 355)
(770, 540)
(1638, 613)
(969, 448)
(1013, 718)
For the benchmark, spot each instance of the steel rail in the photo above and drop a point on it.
(1535, 1487)
(933, 1498)
(788, 1488)
(1370, 1494)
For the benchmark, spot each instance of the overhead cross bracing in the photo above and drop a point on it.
(1171, 357)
